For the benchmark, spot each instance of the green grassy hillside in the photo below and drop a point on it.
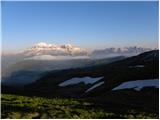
(14, 106)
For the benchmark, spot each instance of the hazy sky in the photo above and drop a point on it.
(92, 25)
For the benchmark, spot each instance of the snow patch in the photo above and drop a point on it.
(85, 80)
(94, 86)
(138, 84)
(137, 66)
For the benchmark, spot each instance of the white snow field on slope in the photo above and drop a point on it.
(85, 80)
(94, 86)
(137, 66)
(138, 84)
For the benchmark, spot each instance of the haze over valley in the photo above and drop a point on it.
(43, 57)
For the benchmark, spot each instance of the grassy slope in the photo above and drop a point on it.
(14, 106)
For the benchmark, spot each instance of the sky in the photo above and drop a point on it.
(90, 25)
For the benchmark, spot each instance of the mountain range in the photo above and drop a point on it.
(43, 57)
(54, 50)
(114, 84)
(42, 48)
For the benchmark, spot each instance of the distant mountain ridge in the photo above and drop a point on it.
(43, 48)
(54, 50)
(55, 56)
(132, 50)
